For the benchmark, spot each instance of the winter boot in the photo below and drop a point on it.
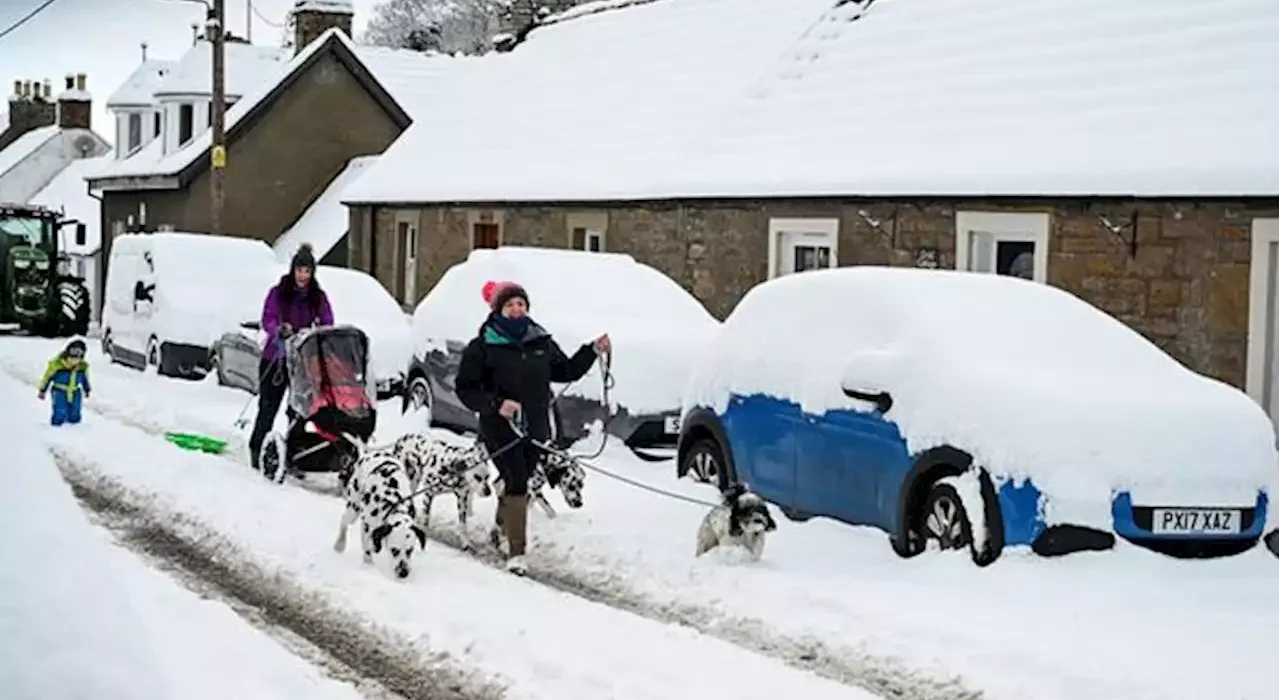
(515, 520)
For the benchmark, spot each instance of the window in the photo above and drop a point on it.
(135, 132)
(1261, 369)
(1012, 244)
(407, 232)
(157, 121)
(586, 230)
(799, 245)
(186, 123)
(485, 235)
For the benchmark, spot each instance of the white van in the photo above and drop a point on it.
(170, 295)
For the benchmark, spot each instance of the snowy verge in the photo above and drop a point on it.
(83, 618)
(546, 643)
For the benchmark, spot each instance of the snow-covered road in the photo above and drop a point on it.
(82, 617)
(1125, 624)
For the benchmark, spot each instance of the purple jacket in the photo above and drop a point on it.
(300, 308)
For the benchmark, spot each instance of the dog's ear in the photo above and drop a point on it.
(378, 534)
(770, 523)
(422, 536)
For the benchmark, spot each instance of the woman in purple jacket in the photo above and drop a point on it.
(295, 303)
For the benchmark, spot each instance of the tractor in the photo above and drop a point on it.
(38, 295)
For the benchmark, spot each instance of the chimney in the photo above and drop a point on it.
(311, 18)
(75, 104)
(27, 111)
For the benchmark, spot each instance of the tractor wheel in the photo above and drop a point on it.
(73, 309)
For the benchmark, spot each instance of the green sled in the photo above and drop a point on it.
(197, 443)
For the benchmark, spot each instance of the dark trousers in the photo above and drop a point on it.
(272, 385)
(517, 463)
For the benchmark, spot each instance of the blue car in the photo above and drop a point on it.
(974, 411)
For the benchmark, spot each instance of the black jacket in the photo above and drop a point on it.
(495, 368)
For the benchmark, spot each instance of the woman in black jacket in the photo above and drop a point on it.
(509, 367)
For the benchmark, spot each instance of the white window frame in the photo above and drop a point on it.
(1263, 233)
(830, 228)
(1028, 227)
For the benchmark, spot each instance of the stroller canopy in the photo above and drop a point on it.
(329, 382)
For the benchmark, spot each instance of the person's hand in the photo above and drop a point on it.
(603, 345)
(41, 395)
(86, 394)
(508, 408)
(286, 330)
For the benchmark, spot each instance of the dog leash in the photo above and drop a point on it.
(582, 462)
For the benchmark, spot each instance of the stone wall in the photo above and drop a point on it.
(1185, 285)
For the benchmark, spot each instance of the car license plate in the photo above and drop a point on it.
(671, 425)
(1167, 521)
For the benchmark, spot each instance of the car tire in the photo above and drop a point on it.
(705, 462)
(420, 396)
(107, 346)
(943, 519)
(794, 515)
(215, 368)
(1272, 540)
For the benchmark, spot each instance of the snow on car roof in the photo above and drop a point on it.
(360, 300)
(1028, 378)
(657, 327)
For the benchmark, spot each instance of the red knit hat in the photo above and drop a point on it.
(497, 293)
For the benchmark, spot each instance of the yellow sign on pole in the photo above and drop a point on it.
(219, 156)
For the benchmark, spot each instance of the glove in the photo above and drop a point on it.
(86, 393)
(41, 394)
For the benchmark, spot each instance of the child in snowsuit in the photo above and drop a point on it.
(68, 374)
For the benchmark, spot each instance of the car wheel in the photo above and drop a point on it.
(107, 346)
(215, 368)
(706, 463)
(944, 520)
(420, 397)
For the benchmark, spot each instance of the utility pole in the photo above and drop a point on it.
(248, 21)
(218, 149)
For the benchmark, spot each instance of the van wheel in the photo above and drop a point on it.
(106, 345)
(154, 356)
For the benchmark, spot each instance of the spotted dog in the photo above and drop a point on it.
(561, 472)
(741, 519)
(379, 495)
(438, 468)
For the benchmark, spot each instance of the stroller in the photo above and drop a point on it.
(331, 410)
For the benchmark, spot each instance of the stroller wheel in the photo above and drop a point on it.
(273, 457)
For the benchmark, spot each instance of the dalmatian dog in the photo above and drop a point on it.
(437, 468)
(559, 471)
(741, 519)
(379, 494)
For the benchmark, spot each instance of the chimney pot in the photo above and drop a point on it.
(71, 82)
(17, 88)
(82, 81)
(48, 89)
(26, 89)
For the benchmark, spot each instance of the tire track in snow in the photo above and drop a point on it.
(350, 642)
(887, 677)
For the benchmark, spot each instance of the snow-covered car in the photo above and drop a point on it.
(976, 411)
(657, 328)
(357, 299)
(169, 295)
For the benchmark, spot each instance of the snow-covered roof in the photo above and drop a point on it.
(25, 145)
(408, 76)
(687, 98)
(596, 104)
(140, 87)
(325, 222)
(4, 117)
(412, 78)
(330, 6)
(68, 192)
(247, 67)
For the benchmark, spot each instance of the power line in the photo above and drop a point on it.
(260, 16)
(13, 27)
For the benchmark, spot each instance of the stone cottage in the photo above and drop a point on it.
(727, 143)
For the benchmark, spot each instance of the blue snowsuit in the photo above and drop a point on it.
(69, 378)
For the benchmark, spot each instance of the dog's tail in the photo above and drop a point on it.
(735, 491)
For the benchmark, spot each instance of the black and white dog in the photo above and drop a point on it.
(379, 495)
(560, 472)
(437, 468)
(741, 519)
